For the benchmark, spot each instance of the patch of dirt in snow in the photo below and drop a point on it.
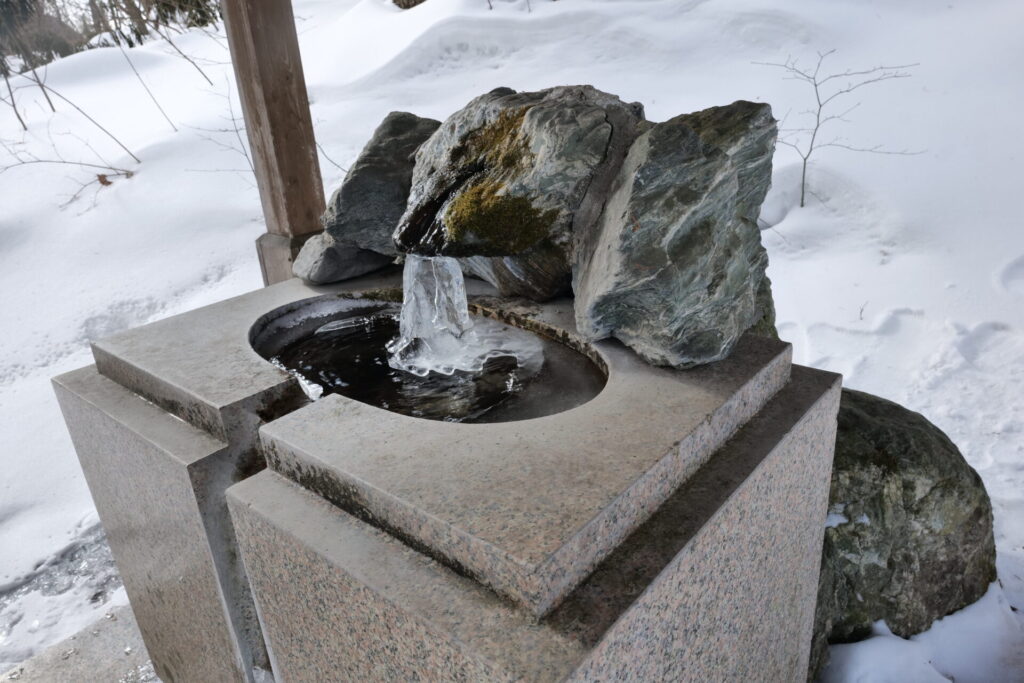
(81, 580)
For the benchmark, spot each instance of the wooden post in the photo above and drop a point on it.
(268, 70)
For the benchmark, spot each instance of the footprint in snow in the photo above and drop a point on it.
(1011, 279)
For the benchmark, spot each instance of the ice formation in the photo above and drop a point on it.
(437, 333)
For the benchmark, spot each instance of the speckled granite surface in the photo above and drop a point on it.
(529, 508)
(719, 584)
(150, 476)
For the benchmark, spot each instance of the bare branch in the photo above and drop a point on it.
(867, 72)
(806, 140)
(84, 164)
(146, 88)
(877, 149)
(238, 145)
(12, 103)
(793, 145)
(100, 180)
(39, 82)
(94, 122)
(332, 161)
(238, 133)
(178, 50)
(854, 86)
(100, 174)
(213, 36)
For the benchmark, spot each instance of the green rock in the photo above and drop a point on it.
(675, 268)
(363, 212)
(911, 539)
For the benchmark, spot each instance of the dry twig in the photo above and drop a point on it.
(827, 89)
(100, 174)
(184, 56)
(146, 87)
(332, 161)
(94, 122)
(10, 101)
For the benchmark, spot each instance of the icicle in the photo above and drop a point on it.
(436, 332)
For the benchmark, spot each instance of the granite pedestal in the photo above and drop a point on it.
(676, 515)
(718, 584)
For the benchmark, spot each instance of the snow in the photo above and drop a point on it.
(905, 273)
(978, 644)
(835, 516)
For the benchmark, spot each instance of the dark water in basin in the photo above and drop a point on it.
(348, 357)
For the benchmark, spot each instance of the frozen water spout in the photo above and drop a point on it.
(437, 333)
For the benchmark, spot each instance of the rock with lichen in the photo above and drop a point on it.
(506, 181)
(363, 213)
(675, 268)
(909, 537)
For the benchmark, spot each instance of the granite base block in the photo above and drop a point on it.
(719, 584)
(158, 484)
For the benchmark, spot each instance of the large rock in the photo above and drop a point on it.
(506, 181)
(322, 261)
(910, 527)
(364, 212)
(366, 209)
(675, 268)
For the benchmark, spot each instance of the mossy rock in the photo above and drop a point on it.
(499, 143)
(911, 534)
(485, 222)
(510, 177)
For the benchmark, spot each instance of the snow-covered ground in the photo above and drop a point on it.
(905, 273)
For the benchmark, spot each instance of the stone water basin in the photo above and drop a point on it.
(336, 345)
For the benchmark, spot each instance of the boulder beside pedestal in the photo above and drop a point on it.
(910, 538)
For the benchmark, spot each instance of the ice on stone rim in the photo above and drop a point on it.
(437, 334)
(312, 390)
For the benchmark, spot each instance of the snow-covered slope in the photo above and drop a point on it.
(905, 273)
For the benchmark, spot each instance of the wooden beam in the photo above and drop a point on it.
(268, 70)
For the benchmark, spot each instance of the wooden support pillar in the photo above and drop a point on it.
(268, 70)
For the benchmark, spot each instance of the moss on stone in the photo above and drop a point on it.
(496, 224)
(719, 126)
(482, 218)
(390, 294)
(499, 143)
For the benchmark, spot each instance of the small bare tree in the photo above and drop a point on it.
(828, 88)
